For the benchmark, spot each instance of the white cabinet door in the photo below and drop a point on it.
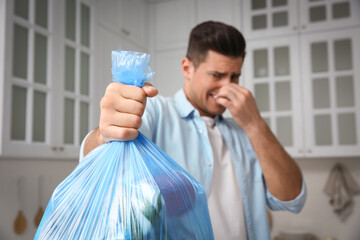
(226, 11)
(47, 90)
(27, 85)
(108, 13)
(329, 14)
(133, 19)
(127, 18)
(173, 23)
(272, 74)
(331, 80)
(265, 18)
(76, 92)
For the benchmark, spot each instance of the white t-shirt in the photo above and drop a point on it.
(224, 200)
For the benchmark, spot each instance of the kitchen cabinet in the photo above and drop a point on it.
(272, 73)
(266, 18)
(331, 83)
(320, 15)
(173, 23)
(124, 17)
(48, 93)
(269, 18)
(133, 21)
(127, 18)
(305, 86)
(226, 11)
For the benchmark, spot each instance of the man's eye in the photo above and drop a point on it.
(235, 78)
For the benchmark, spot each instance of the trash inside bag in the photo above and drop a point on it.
(127, 190)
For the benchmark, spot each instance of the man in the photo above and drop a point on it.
(240, 163)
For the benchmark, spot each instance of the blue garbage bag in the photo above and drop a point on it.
(129, 189)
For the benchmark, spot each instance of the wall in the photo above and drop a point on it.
(317, 216)
(29, 171)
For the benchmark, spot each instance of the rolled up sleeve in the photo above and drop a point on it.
(293, 206)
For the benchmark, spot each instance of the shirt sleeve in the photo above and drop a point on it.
(81, 154)
(149, 118)
(293, 206)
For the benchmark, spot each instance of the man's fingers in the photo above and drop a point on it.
(130, 106)
(115, 89)
(119, 133)
(225, 102)
(122, 105)
(121, 120)
(121, 109)
(150, 91)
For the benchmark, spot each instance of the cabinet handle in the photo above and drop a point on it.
(300, 151)
(295, 28)
(303, 26)
(309, 151)
(126, 32)
(57, 148)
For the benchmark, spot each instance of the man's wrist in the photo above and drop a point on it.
(256, 128)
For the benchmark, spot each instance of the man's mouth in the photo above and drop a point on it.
(213, 95)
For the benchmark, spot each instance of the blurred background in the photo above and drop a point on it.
(55, 63)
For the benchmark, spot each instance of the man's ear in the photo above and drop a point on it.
(187, 68)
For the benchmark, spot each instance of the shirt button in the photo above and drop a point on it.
(200, 130)
(209, 164)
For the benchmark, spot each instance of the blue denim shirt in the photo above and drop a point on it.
(175, 126)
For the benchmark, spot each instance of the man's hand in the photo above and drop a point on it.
(282, 175)
(241, 105)
(121, 109)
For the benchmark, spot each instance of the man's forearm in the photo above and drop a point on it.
(92, 141)
(282, 175)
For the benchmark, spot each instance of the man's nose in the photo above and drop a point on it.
(226, 80)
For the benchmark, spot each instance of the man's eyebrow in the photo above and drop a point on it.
(217, 72)
(234, 74)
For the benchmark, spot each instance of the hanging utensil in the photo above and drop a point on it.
(20, 222)
(40, 211)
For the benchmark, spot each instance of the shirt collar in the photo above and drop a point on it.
(183, 105)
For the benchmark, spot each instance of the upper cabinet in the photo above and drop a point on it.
(305, 83)
(305, 89)
(127, 18)
(328, 14)
(226, 11)
(331, 83)
(266, 18)
(173, 21)
(48, 93)
(134, 21)
(272, 74)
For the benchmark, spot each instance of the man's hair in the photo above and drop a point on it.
(216, 36)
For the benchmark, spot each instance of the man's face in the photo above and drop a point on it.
(203, 84)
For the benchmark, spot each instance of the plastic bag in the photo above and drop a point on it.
(127, 190)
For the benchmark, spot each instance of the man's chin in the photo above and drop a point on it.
(219, 110)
